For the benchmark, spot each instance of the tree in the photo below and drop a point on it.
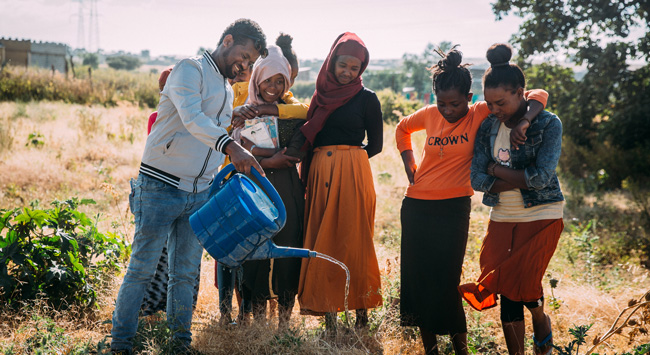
(415, 66)
(607, 106)
(123, 62)
(381, 79)
(91, 59)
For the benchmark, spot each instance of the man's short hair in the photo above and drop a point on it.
(244, 29)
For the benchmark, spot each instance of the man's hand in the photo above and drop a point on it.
(242, 159)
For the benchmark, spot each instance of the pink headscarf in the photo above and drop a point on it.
(274, 63)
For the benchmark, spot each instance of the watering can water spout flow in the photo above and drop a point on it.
(239, 221)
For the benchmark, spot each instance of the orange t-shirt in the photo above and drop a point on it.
(442, 177)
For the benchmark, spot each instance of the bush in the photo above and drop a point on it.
(395, 106)
(57, 253)
(107, 87)
(123, 62)
(91, 59)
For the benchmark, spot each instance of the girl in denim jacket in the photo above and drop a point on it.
(521, 186)
(436, 207)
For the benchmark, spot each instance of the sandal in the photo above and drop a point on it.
(544, 347)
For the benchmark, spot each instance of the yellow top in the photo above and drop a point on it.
(292, 109)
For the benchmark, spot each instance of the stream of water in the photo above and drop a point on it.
(347, 275)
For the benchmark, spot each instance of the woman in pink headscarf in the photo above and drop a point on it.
(340, 205)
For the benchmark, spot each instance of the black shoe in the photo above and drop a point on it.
(121, 352)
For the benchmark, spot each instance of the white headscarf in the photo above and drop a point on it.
(274, 63)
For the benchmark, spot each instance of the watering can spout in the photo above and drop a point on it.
(269, 250)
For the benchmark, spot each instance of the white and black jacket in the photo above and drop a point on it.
(186, 145)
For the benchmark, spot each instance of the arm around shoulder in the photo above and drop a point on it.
(292, 108)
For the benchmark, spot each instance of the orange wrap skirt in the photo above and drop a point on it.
(513, 260)
(339, 222)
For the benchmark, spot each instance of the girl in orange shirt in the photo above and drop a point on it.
(435, 211)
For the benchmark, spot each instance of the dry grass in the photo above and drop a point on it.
(92, 152)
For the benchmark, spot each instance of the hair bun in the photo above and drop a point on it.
(498, 54)
(451, 60)
(284, 41)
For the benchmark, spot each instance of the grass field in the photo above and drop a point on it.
(52, 150)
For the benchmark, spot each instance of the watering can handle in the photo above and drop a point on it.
(273, 195)
(216, 182)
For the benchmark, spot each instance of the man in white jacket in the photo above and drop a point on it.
(183, 152)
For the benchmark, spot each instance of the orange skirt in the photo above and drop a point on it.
(514, 257)
(339, 222)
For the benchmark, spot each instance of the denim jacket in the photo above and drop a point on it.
(542, 147)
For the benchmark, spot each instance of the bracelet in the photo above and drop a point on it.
(526, 119)
(253, 147)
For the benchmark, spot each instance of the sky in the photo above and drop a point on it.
(181, 27)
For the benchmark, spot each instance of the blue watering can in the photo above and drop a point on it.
(239, 221)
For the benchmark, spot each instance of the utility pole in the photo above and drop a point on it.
(81, 37)
(93, 28)
(90, 43)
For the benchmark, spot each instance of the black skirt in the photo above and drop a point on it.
(434, 237)
(285, 273)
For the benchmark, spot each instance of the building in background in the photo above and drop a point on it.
(26, 53)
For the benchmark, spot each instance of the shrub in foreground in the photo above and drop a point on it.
(55, 253)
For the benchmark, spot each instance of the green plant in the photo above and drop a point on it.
(104, 171)
(57, 252)
(586, 245)
(637, 326)
(579, 333)
(553, 302)
(290, 339)
(44, 336)
(35, 139)
(479, 340)
(48, 338)
(641, 197)
(153, 334)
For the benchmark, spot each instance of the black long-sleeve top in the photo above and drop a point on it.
(348, 124)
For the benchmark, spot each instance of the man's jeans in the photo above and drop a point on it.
(161, 211)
